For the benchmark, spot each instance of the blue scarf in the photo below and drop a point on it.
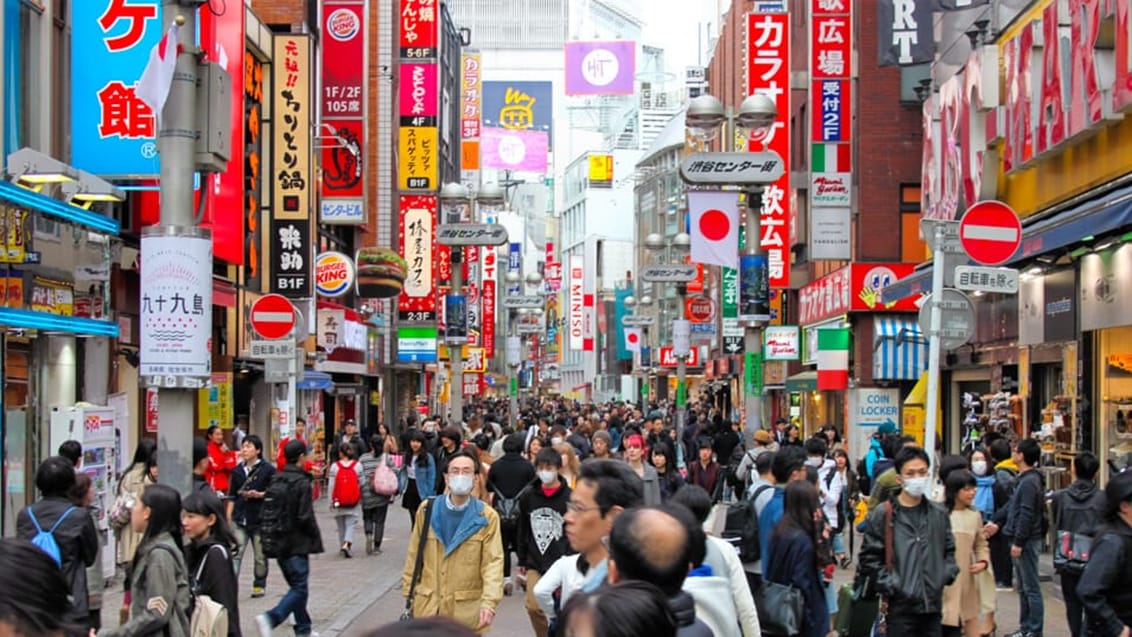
(984, 495)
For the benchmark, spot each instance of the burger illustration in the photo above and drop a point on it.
(380, 273)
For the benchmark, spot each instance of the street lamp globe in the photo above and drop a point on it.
(704, 116)
(645, 301)
(534, 279)
(654, 241)
(630, 301)
(513, 277)
(757, 114)
(490, 199)
(682, 241)
(454, 198)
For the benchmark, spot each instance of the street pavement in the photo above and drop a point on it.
(350, 597)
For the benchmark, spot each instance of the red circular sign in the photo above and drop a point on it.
(272, 316)
(700, 309)
(990, 232)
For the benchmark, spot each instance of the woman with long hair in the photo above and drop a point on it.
(664, 461)
(534, 446)
(83, 495)
(375, 506)
(346, 514)
(209, 552)
(792, 557)
(159, 585)
(570, 464)
(418, 475)
(141, 473)
(961, 599)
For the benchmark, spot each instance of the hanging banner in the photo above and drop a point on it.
(292, 128)
(831, 177)
(417, 302)
(253, 172)
(342, 104)
(768, 72)
(905, 32)
(576, 302)
(754, 291)
(176, 309)
(214, 403)
(520, 150)
(471, 96)
(600, 68)
(291, 258)
(419, 29)
(489, 270)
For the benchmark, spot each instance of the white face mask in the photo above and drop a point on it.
(556, 441)
(460, 485)
(815, 462)
(916, 487)
(979, 467)
(547, 477)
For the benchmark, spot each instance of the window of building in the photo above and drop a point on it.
(913, 249)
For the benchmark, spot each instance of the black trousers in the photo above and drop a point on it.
(373, 523)
(915, 625)
(1000, 560)
(510, 533)
(1074, 609)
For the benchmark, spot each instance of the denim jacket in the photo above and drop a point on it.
(426, 476)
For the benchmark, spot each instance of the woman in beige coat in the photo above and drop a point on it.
(961, 600)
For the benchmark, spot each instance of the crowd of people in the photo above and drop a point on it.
(606, 518)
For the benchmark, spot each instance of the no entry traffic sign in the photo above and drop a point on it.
(273, 316)
(990, 232)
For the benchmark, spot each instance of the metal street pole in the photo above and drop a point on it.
(456, 348)
(514, 349)
(753, 330)
(681, 369)
(939, 236)
(176, 144)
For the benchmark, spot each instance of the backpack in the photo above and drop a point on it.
(384, 480)
(347, 491)
(45, 540)
(733, 478)
(508, 508)
(741, 527)
(209, 618)
(277, 517)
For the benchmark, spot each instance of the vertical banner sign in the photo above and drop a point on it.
(553, 329)
(576, 300)
(176, 310)
(515, 264)
(471, 94)
(291, 169)
(472, 289)
(342, 104)
(253, 172)
(222, 41)
(754, 289)
(112, 130)
(831, 177)
(904, 35)
(768, 72)
(490, 269)
(417, 303)
(419, 100)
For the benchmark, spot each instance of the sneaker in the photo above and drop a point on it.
(369, 545)
(377, 550)
(263, 624)
(257, 591)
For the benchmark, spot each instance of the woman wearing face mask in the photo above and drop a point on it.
(543, 508)
(635, 456)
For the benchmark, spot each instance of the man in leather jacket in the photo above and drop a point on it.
(923, 560)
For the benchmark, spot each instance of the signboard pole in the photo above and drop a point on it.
(753, 330)
(938, 239)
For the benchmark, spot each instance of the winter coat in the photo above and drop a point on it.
(220, 466)
(304, 538)
(1079, 508)
(669, 483)
(652, 486)
(1105, 587)
(712, 596)
(724, 561)
(425, 472)
(707, 477)
(336, 469)
(541, 538)
(924, 560)
(792, 562)
(687, 624)
(369, 462)
(460, 580)
(78, 545)
(509, 475)
(217, 579)
(1026, 509)
(134, 483)
(961, 597)
(159, 592)
(832, 485)
(245, 511)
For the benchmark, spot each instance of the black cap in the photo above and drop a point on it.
(293, 450)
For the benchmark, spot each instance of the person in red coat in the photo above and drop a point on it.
(300, 434)
(221, 461)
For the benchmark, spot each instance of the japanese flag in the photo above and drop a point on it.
(157, 78)
(633, 339)
(714, 227)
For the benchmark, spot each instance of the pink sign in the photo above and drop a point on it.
(418, 92)
(506, 149)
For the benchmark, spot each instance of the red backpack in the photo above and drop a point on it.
(347, 490)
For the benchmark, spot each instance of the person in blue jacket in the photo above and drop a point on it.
(418, 474)
(789, 465)
(792, 560)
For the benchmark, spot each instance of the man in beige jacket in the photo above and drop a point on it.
(461, 571)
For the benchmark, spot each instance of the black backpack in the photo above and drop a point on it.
(742, 527)
(277, 517)
(736, 481)
(508, 508)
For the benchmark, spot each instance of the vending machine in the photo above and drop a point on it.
(94, 427)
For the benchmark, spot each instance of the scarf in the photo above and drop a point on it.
(984, 495)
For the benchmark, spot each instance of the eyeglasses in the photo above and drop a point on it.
(575, 507)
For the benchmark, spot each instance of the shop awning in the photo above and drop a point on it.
(918, 397)
(314, 381)
(802, 381)
(900, 350)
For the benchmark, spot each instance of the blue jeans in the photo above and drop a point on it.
(1030, 607)
(296, 570)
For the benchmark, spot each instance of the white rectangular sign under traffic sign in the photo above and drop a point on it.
(975, 278)
(282, 348)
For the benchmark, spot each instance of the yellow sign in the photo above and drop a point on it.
(291, 127)
(52, 297)
(442, 352)
(214, 403)
(15, 233)
(418, 160)
(601, 168)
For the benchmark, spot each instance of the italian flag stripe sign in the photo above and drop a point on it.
(833, 359)
(830, 158)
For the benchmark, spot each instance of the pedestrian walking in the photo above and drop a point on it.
(209, 553)
(704, 471)
(541, 535)
(1005, 480)
(669, 479)
(246, 491)
(635, 456)
(1106, 582)
(83, 496)
(160, 598)
(291, 535)
(34, 596)
(1078, 512)
(221, 461)
(508, 480)
(377, 462)
(962, 599)
(418, 474)
(792, 559)
(346, 496)
(1025, 528)
(141, 473)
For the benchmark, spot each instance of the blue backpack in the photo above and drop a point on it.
(45, 540)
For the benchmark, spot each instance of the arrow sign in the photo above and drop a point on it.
(523, 302)
(471, 234)
(669, 273)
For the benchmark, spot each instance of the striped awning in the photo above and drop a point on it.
(900, 349)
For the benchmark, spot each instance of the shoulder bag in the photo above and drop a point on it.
(407, 614)
(880, 626)
(781, 608)
(209, 618)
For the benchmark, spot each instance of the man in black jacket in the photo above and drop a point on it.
(507, 477)
(246, 490)
(541, 537)
(1079, 510)
(923, 562)
(303, 539)
(1106, 583)
(1024, 522)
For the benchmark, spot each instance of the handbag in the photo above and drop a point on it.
(209, 618)
(1071, 552)
(781, 609)
(407, 614)
(880, 626)
(121, 510)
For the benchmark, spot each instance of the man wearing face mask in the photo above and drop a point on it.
(923, 546)
(541, 537)
(461, 571)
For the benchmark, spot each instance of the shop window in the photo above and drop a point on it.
(1114, 423)
(913, 249)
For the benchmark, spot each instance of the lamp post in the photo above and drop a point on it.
(674, 251)
(459, 206)
(703, 119)
(631, 302)
(515, 343)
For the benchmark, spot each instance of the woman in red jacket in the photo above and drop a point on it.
(221, 461)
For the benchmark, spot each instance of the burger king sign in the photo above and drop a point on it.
(333, 274)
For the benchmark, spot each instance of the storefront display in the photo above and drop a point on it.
(1115, 411)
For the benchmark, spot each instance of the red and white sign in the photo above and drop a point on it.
(831, 40)
(417, 301)
(668, 359)
(990, 232)
(420, 29)
(576, 303)
(487, 299)
(473, 383)
(768, 72)
(854, 288)
(700, 309)
(272, 316)
(343, 111)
